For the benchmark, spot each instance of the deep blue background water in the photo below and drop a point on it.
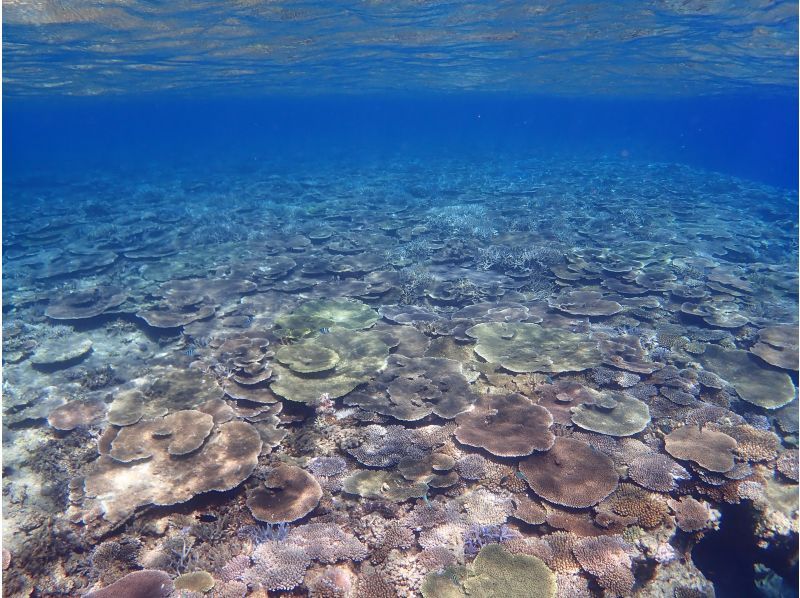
(754, 137)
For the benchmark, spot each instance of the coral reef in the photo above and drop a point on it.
(378, 384)
(507, 426)
(571, 474)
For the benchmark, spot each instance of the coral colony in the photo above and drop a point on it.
(394, 391)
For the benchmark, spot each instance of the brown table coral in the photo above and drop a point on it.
(507, 425)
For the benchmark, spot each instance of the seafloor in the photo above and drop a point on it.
(440, 378)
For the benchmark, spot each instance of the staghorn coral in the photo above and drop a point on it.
(264, 533)
(175, 552)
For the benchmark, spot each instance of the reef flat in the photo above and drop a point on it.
(435, 378)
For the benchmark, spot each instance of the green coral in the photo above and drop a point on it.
(755, 383)
(525, 348)
(198, 581)
(626, 417)
(307, 358)
(495, 573)
(417, 387)
(444, 584)
(361, 356)
(370, 483)
(312, 316)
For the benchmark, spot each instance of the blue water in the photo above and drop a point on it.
(181, 180)
(752, 136)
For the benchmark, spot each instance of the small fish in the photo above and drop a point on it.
(324, 330)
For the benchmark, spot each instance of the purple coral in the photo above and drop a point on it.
(478, 536)
(265, 532)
